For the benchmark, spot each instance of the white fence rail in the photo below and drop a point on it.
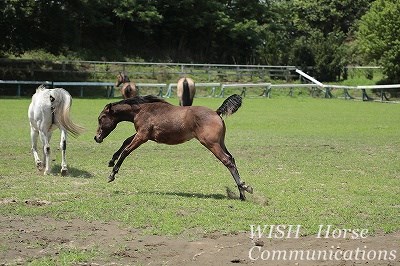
(266, 88)
(212, 85)
(365, 96)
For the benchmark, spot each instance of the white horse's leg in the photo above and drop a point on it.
(34, 138)
(46, 150)
(63, 147)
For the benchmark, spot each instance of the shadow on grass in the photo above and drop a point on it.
(187, 195)
(229, 194)
(72, 172)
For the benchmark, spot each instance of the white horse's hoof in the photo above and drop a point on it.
(64, 172)
(39, 165)
(46, 172)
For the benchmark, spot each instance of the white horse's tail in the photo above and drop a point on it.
(61, 103)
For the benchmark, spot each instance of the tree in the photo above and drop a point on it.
(137, 15)
(322, 29)
(210, 30)
(277, 34)
(378, 37)
(16, 26)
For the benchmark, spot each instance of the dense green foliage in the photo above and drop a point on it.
(305, 33)
(379, 33)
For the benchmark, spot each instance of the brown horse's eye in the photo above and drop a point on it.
(100, 118)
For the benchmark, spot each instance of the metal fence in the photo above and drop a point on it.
(139, 71)
(219, 89)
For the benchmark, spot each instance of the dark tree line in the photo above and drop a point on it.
(317, 33)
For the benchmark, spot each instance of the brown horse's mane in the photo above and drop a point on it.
(141, 99)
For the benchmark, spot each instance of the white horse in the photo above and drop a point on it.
(49, 110)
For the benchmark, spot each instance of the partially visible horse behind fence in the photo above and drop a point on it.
(128, 89)
(162, 122)
(186, 90)
(50, 109)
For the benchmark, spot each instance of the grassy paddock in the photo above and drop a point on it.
(310, 161)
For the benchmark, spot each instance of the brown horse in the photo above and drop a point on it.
(128, 89)
(162, 122)
(185, 91)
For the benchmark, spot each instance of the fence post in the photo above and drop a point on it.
(365, 96)
(384, 96)
(267, 91)
(243, 92)
(213, 91)
(169, 91)
(222, 91)
(328, 93)
(287, 74)
(347, 94)
(160, 92)
(110, 92)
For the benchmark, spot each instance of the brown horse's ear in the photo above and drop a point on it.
(108, 108)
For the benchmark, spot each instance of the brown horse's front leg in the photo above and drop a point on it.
(111, 163)
(136, 142)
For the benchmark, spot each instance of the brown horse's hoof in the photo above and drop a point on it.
(110, 179)
(249, 189)
(245, 187)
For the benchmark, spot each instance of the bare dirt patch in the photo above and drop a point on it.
(23, 239)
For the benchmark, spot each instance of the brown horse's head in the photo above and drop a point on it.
(121, 78)
(107, 123)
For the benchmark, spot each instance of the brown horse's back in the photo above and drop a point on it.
(169, 124)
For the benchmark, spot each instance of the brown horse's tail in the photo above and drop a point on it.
(186, 100)
(230, 105)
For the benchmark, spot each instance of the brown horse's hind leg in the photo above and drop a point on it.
(111, 163)
(136, 142)
(220, 151)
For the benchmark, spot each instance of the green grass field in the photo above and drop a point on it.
(310, 161)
